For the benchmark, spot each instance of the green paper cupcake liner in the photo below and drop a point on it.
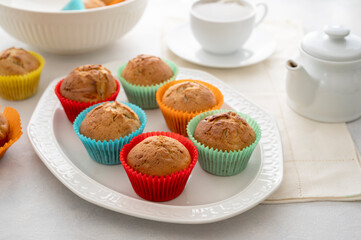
(144, 96)
(107, 152)
(219, 162)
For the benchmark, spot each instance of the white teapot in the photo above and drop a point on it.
(324, 81)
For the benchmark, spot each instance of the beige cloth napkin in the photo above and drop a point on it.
(320, 160)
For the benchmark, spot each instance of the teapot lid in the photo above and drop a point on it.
(335, 43)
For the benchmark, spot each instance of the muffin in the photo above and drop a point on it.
(159, 156)
(146, 70)
(225, 131)
(109, 121)
(85, 86)
(105, 128)
(4, 130)
(10, 129)
(88, 83)
(17, 61)
(181, 100)
(158, 164)
(189, 97)
(225, 140)
(142, 76)
(19, 73)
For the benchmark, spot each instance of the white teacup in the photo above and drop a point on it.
(223, 26)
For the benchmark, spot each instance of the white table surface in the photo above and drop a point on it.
(35, 205)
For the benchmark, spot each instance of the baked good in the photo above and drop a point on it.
(158, 156)
(88, 83)
(225, 131)
(189, 97)
(17, 61)
(106, 127)
(107, 2)
(4, 130)
(146, 70)
(158, 164)
(112, 2)
(181, 100)
(88, 4)
(109, 121)
(10, 129)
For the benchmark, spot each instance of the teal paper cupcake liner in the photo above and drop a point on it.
(144, 96)
(218, 162)
(107, 152)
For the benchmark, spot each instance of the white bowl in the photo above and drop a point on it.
(70, 32)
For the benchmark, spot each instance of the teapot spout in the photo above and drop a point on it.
(292, 65)
(300, 86)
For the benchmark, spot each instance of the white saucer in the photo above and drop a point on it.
(259, 46)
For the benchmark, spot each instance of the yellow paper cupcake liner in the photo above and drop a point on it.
(19, 87)
(177, 120)
(13, 118)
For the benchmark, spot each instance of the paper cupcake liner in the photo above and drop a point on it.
(144, 96)
(177, 120)
(218, 162)
(19, 87)
(107, 152)
(73, 108)
(13, 118)
(159, 188)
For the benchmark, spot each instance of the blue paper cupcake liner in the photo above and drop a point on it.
(107, 152)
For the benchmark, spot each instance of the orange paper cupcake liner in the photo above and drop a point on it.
(159, 188)
(177, 120)
(73, 108)
(13, 118)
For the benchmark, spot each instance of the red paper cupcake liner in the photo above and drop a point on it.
(73, 108)
(159, 188)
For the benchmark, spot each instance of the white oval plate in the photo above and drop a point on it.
(206, 198)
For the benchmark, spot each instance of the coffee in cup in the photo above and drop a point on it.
(223, 26)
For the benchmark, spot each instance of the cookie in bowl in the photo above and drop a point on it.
(85, 86)
(225, 140)
(106, 127)
(143, 75)
(181, 100)
(158, 164)
(20, 72)
(89, 4)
